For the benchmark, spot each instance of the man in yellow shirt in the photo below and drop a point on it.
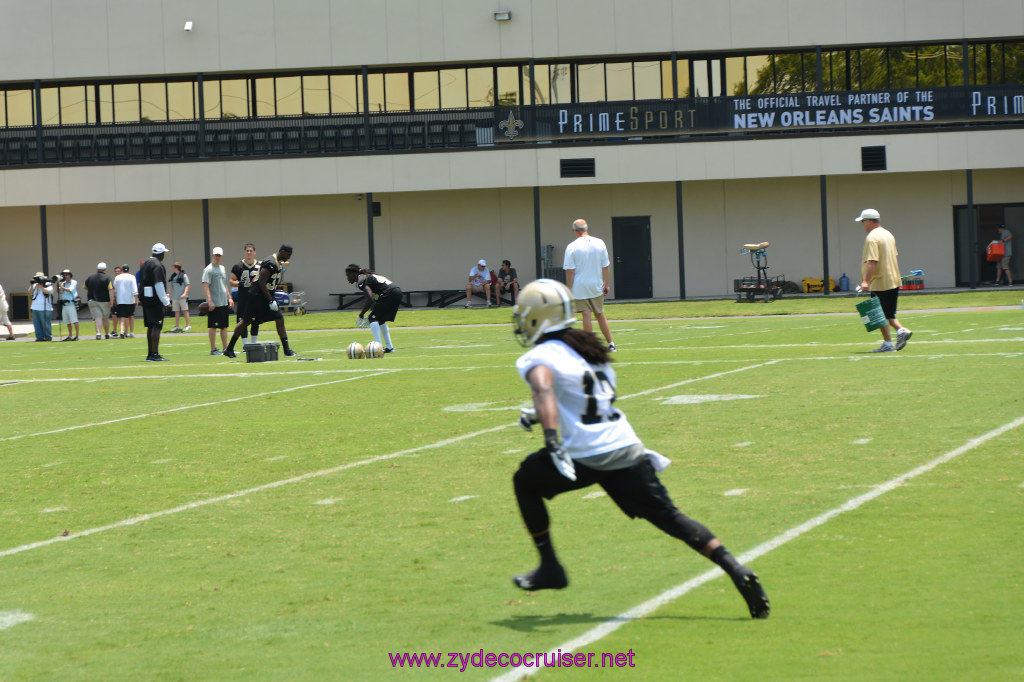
(880, 274)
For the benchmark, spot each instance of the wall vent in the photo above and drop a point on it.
(872, 158)
(577, 168)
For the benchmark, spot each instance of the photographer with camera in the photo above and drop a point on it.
(40, 291)
(68, 288)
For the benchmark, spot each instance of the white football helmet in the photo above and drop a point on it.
(543, 306)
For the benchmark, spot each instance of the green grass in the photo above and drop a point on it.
(297, 520)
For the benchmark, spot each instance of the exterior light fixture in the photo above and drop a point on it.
(504, 15)
(188, 25)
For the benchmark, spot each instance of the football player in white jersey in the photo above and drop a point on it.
(573, 388)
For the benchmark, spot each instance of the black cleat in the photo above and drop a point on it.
(749, 585)
(290, 353)
(542, 579)
(228, 353)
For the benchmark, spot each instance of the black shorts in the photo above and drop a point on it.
(241, 303)
(637, 490)
(386, 306)
(153, 312)
(258, 310)
(125, 310)
(218, 318)
(888, 300)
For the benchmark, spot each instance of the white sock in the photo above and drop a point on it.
(387, 335)
(375, 328)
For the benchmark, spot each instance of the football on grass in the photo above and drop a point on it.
(204, 308)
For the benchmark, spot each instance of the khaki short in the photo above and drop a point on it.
(594, 305)
(179, 305)
(99, 309)
(4, 320)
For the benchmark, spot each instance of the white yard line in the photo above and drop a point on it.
(186, 407)
(142, 518)
(276, 484)
(609, 626)
(8, 619)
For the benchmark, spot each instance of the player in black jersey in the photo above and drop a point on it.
(261, 305)
(382, 300)
(243, 274)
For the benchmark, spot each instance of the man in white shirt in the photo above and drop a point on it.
(217, 290)
(586, 275)
(126, 297)
(479, 280)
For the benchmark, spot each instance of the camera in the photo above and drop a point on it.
(45, 281)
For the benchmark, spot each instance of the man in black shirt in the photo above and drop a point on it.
(261, 306)
(97, 288)
(153, 294)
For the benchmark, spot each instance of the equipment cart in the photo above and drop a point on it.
(760, 286)
(294, 302)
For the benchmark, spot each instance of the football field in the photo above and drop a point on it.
(336, 519)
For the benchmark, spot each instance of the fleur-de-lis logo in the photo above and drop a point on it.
(511, 126)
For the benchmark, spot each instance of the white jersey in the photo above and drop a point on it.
(126, 287)
(588, 256)
(588, 422)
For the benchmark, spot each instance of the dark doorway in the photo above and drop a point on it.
(631, 265)
(987, 218)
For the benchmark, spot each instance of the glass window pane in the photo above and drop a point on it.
(289, 96)
(72, 105)
(211, 99)
(397, 88)
(735, 76)
(314, 95)
(541, 85)
(561, 84)
(590, 83)
(902, 67)
(648, 82)
(620, 80)
(266, 103)
(424, 84)
(508, 86)
(181, 103)
(154, 102)
(51, 107)
(759, 75)
(376, 87)
(682, 78)
(126, 102)
(19, 107)
(343, 95)
(234, 99)
(453, 89)
(480, 82)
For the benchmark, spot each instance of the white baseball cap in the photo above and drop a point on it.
(217, 251)
(482, 263)
(867, 214)
(101, 266)
(159, 248)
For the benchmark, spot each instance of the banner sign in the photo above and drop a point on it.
(759, 113)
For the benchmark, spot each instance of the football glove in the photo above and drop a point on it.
(362, 322)
(562, 461)
(527, 418)
(273, 306)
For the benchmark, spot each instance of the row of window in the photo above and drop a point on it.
(867, 68)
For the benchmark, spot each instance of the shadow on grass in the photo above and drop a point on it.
(535, 623)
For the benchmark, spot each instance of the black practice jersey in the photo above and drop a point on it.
(247, 275)
(276, 273)
(378, 284)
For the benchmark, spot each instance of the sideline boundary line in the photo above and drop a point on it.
(644, 609)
